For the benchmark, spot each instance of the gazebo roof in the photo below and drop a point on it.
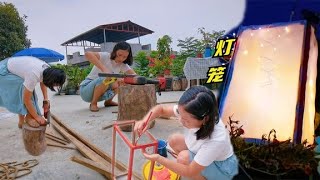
(115, 32)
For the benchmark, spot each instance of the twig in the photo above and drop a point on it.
(108, 126)
(245, 172)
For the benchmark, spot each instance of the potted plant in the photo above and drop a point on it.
(270, 158)
(177, 70)
(75, 76)
(156, 68)
(141, 64)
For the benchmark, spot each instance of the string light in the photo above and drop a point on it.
(287, 29)
(245, 52)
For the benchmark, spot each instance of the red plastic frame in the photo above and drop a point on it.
(131, 144)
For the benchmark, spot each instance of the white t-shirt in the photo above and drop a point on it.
(28, 68)
(110, 64)
(217, 148)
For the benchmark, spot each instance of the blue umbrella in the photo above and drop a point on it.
(44, 54)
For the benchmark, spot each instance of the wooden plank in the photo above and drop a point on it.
(104, 155)
(53, 136)
(60, 146)
(85, 150)
(92, 165)
(83, 140)
(56, 140)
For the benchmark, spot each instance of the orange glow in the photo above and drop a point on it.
(263, 91)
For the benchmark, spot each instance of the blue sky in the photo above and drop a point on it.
(52, 22)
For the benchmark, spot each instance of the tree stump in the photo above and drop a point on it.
(135, 101)
(34, 139)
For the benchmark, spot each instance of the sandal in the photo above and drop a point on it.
(93, 110)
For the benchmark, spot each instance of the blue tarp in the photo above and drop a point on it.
(44, 54)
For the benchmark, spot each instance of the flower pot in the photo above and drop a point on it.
(71, 91)
(184, 83)
(199, 55)
(176, 84)
(169, 84)
(193, 82)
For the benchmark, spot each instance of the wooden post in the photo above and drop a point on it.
(34, 139)
(134, 103)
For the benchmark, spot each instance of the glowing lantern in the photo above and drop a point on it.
(271, 83)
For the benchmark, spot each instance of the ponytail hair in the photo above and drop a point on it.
(201, 103)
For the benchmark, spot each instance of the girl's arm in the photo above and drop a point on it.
(27, 99)
(157, 111)
(94, 58)
(44, 91)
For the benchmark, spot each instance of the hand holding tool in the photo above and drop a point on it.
(46, 110)
(144, 126)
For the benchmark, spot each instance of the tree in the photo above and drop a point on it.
(13, 31)
(163, 47)
(190, 46)
(210, 39)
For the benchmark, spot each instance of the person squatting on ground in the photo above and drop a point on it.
(18, 78)
(92, 89)
(205, 150)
